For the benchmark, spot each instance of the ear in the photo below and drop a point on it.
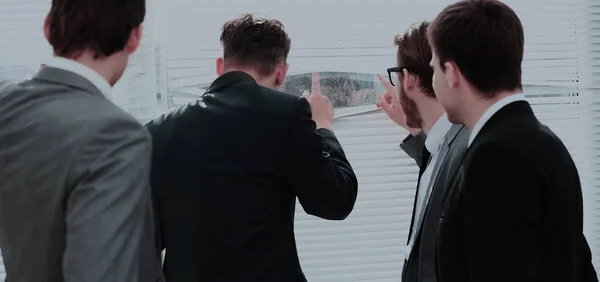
(134, 40)
(452, 74)
(280, 75)
(47, 27)
(220, 66)
(409, 80)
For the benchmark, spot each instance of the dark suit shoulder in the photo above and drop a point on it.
(282, 101)
(261, 99)
(529, 141)
(523, 132)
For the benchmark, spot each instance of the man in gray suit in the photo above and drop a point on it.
(436, 145)
(75, 201)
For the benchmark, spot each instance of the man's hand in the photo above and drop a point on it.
(389, 102)
(322, 110)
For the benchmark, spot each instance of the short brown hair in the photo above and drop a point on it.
(102, 26)
(414, 53)
(254, 41)
(484, 38)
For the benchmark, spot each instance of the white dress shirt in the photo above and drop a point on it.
(493, 110)
(433, 143)
(92, 76)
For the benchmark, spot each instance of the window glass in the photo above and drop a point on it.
(344, 89)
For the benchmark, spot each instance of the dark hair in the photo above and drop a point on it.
(102, 26)
(254, 41)
(484, 38)
(414, 53)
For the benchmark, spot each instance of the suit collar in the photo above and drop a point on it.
(453, 132)
(444, 150)
(228, 79)
(75, 74)
(492, 110)
(443, 153)
(508, 111)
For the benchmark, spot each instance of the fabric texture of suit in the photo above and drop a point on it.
(514, 211)
(75, 201)
(226, 173)
(420, 265)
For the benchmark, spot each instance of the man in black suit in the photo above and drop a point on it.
(514, 211)
(437, 149)
(227, 168)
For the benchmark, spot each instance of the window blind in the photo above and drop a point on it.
(137, 91)
(589, 85)
(561, 70)
(21, 23)
(560, 74)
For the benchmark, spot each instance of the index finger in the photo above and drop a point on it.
(316, 84)
(386, 83)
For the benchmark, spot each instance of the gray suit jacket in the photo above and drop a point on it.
(420, 266)
(75, 200)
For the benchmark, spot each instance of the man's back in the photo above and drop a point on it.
(226, 173)
(61, 194)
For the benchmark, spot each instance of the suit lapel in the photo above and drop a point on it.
(445, 148)
(425, 156)
(421, 264)
(441, 159)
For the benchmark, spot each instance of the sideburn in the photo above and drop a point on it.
(411, 112)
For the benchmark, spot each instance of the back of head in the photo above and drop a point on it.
(255, 43)
(102, 26)
(414, 54)
(91, 31)
(484, 38)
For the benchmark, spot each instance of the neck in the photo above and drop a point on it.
(430, 113)
(260, 80)
(106, 67)
(474, 110)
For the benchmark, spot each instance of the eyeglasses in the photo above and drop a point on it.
(397, 70)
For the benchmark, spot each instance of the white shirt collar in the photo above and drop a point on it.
(493, 110)
(92, 76)
(435, 137)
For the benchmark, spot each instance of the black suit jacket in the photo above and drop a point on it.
(420, 265)
(226, 173)
(514, 212)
